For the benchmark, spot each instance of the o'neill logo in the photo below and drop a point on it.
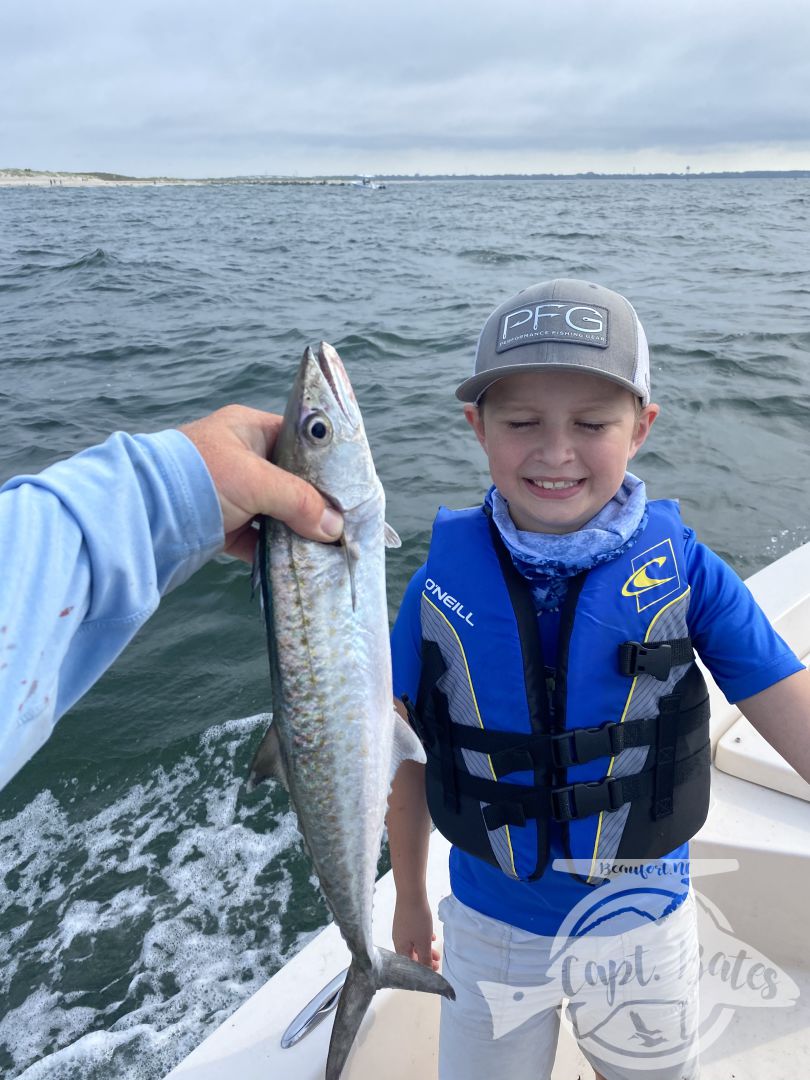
(641, 580)
(655, 575)
(449, 601)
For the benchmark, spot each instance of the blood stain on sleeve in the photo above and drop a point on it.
(31, 690)
(66, 611)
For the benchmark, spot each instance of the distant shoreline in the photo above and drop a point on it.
(42, 178)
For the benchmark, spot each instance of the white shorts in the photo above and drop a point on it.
(632, 998)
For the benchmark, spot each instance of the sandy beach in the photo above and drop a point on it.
(33, 178)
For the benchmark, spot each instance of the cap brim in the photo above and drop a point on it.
(472, 389)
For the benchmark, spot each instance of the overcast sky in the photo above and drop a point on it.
(226, 87)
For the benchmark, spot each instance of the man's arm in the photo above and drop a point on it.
(92, 543)
(408, 838)
(781, 714)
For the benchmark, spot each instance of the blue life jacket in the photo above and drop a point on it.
(613, 744)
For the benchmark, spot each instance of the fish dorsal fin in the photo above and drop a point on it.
(392, 540)
(268, 761)
(406, 746)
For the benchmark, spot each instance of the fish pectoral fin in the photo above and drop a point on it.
(352, 553)
(256, 572)
(392, 539)
(268, 761)
(406, 745)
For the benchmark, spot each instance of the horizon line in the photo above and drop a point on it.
(581, 174)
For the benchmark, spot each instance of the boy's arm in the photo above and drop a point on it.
(781, 714)
(750, 662)
(408, 823)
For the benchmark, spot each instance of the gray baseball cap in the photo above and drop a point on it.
(562, 325)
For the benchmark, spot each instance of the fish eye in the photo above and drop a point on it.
(318, 429)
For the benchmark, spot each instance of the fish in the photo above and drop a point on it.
(335, 740)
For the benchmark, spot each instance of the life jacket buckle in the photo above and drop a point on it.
(586, 799)
(497, 815)
(654, 658)
(580, 745)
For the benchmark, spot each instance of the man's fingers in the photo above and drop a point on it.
(281, 495)
(235, 443)
(241, 544)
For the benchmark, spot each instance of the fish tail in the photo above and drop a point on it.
(402, 973)
(355, 998)
(394, 971)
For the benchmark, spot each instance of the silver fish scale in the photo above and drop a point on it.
(336, 729)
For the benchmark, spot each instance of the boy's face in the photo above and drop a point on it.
(566, 428)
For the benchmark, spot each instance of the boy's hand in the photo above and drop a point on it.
(235, 443)
(413, 932)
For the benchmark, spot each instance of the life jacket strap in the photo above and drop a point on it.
(414, 719)
(515, 804)
(509, 804)
(580, 745)
(595, 797)
(656, 658)
(665, 757)
(512, 751)
(509, 751)
(450, 774)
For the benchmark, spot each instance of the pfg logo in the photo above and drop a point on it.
(646, 984)
(553, 321)
(449, 601)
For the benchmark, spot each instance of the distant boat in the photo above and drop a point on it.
(368, 183)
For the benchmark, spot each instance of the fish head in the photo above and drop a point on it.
(322, 438)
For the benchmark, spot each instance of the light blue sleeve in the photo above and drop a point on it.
(88, 547)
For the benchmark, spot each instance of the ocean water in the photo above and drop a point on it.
(143, 896)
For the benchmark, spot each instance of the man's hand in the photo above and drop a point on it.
(235, 443)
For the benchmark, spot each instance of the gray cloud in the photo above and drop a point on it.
(273, 86)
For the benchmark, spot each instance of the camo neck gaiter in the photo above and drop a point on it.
(548, 560)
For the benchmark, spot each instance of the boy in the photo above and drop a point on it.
(545, 653)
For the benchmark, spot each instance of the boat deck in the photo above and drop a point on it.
(763, 902)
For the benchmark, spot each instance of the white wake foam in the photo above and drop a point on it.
(132, 933)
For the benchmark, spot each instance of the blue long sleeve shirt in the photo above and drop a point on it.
(88, 548)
